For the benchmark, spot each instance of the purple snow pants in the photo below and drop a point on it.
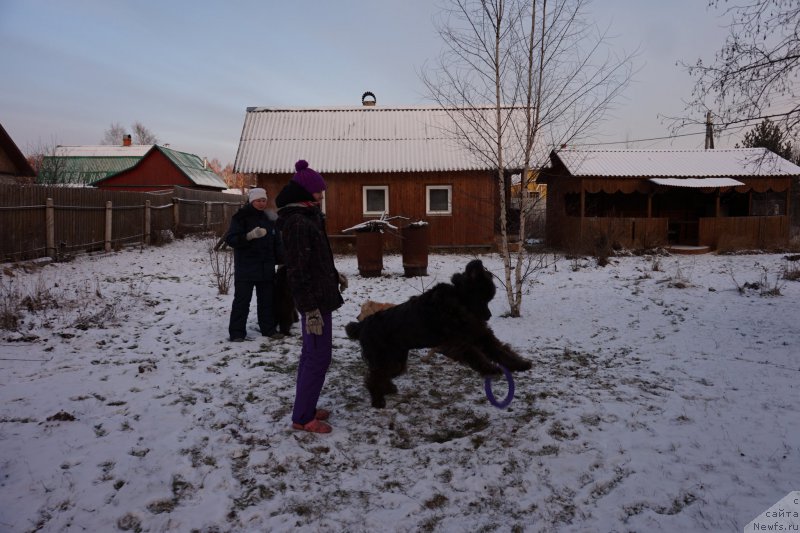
(315, 357)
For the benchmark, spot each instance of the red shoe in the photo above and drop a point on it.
(322, 414)
(315, 426)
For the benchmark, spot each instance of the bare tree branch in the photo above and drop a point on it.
(518, 78)
(754, 73)
(113, 135)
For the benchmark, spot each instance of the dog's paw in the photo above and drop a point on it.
(378, 403)
(491, 371)
(519, 366)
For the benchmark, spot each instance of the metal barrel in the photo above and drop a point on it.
(415, 250)
(369, 252)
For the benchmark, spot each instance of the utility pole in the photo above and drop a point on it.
(709, 132)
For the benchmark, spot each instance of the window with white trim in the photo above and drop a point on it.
(439, 200)
(375, 199)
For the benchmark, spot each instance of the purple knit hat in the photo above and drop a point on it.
(308, 178)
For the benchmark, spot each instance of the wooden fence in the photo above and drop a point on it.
(584, 233)
(52, 221)
(740, 233)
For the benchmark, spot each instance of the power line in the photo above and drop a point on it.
(735, 124)
(641, 140)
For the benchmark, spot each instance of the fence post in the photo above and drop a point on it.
(50, 228)
(147, 222)
(109, 218)
(176, 216)
(207, 220)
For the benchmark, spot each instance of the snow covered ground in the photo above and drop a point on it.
(662, 398)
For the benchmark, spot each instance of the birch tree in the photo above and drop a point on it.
(520, 78)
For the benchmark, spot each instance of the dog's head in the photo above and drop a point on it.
(476, 287)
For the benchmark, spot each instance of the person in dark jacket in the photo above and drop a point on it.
(256, 250)
(315, 285)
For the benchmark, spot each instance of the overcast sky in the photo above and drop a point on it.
(188, 70)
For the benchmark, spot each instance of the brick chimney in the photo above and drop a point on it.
(368, 103)
(126, 140)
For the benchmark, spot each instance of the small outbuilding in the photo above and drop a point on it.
(162, 168)
(712, 199)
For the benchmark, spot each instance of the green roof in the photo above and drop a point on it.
(82, 170)
(193, 167)
(189, 164)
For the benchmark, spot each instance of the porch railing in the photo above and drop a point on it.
(738, 233)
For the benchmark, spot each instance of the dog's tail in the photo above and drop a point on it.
(353, 330)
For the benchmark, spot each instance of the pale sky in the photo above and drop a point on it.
(188, 70)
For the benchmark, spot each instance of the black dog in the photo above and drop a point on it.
(452, 318)
(282, 302)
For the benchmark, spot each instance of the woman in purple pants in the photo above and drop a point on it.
(315, 286)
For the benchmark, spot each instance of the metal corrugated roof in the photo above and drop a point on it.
(676, 163)
(351, 139)
(87, 164)
(194, 169)
(135, 150)
(82, 170)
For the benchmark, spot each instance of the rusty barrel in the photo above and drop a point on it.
(415, 250)
(369, 252)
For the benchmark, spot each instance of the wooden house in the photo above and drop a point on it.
(162, 168)
(710, 199)
(395, 160)
(14, 168)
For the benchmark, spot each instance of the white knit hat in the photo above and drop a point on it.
(255, 194)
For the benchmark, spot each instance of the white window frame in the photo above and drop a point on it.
(428, 189)
(364, 189)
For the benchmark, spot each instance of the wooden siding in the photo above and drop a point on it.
(634, 233)
(568, 231)
(473, 203)
(153, 173)
(558, 228)
(744, 232)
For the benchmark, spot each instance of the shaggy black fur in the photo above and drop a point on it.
(283, 303)
(450, 317)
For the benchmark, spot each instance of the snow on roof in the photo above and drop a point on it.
(353, 139)
(136, 150)
(676, 163)
(696, 183)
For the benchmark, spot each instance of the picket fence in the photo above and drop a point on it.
(58, 222)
